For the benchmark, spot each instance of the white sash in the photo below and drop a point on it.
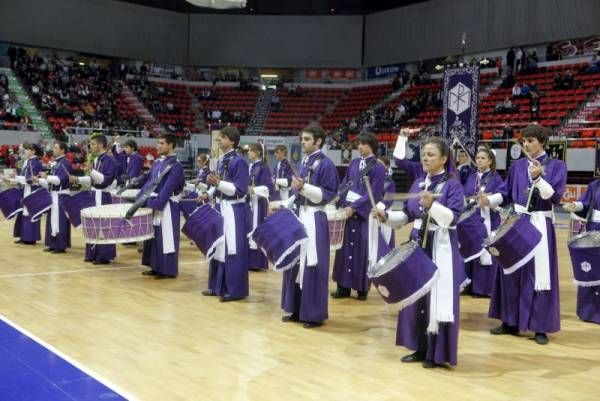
(486, 259)
(254, 200)
(441, 302)
(308, 249)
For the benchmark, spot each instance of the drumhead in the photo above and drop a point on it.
(335, 214)
(507, 225)
(116, 210)
(589, 239)
(466, 214)
(393, 258)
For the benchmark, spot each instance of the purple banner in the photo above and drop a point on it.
(460, 117)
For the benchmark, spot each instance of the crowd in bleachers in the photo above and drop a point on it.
(72, 93)
(12, 114)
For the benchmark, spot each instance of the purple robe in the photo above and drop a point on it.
(25, 229)
(413, 320)
(464, 172)
(413, 169)
(588, 298)
(62, 240)
(259, 176)
(514, 300)
(310, 302)
(483, 276)
(351, 260)
(389, 187)
(165, 263)
(134, 165)
(106, 165)
(283, 170)
(230, 278)
(120, 158)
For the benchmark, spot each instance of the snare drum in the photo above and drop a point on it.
(471, 234)
(514, 243)
(127, 196)
(404, 275)
(74, 204)
(282, 246)
(336, 220)
(585, 258)
(10, 202)
(106, 224)
(204, 226)
(37, 203)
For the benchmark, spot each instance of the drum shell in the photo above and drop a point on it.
(585, 259)
(516, 247)
(106, 224)
(204, 226)
(471, 235)
(10, 202)
(74, 204)
(37, 203)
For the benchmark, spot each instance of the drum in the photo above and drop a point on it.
(282, 246)
(404, 275)
(127, 196)
(576, 225)
(74, 204)
(336, 220)
(188, 206)
(106, 224)
(274, 206)
(471, 234)
(585, 258)
(204, 226)
(514, 243)
(10, 202)
(37, 203)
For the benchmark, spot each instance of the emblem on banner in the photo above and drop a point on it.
(459, 98)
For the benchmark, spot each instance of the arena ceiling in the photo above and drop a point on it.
(286, 7)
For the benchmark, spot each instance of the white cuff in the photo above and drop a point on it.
(43, 182)
(442, 215)
(211, 192)
(21, 179)
(202, 187)
(97, 177)
(495, 200)
(400, 149)
(85, 180)
(282, 182)
(546, 190)
(312, 193)
(578, 206)
(53, 179)
(380, 206)
(226, 187)
(396, 218)
(190, 187)
(262, 191)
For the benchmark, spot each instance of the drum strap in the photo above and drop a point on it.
(438, 188)
(343, 189)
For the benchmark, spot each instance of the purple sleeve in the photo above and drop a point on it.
(327, 179)
(108, 168)
(413, 169)
(135, 166)
(454, 199)
(238, 176)
(557, 177)
(63, 171)
(264, 178)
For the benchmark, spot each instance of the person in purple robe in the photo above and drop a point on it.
(134, 162)
(120, 158)
(588, 207)
(464, 167)
(101, 178)
(196, 188)
(430, 325)
(361, 233)
(389, 187)
(480, 185)
(58, 228)
(527, 299)
(228, 269)
(26, 230)
(282, 176)
(305, 286)
(261, 186)
(165, 181)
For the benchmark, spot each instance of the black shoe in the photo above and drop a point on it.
(541, 338)
(162, 276)
(362, 295)
(101, 262)
(48, 250)
(417, 356)
(290, 319)
(312, 325)
(88, 260)
(149, 273)
(228, 298)
(504, 329)
(28, 242)
(208, 293)
(341, 293)
(428, 364)
(58, 251)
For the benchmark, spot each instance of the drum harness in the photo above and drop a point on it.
(426, 217)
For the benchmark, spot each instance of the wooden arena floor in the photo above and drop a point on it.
(162, 340)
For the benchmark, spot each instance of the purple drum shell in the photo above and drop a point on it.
(204, 226)
(584, 250)
(281, 246)
(404, 275)
(10, 202)
(188, 207)
(471, 234)
(114, 230)
(514, 243)
(37, 203)
(74, 204)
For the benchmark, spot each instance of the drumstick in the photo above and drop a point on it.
(369, 191)
(405, 196)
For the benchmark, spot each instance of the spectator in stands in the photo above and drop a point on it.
(551, 55)
(557, 81)
(594, 66)
(510, 60)
(216, 115)
(568, 81)
(519, 59)
(516, 91)
(4, 82)
(276, 103)
(508, 132)
(506, 106)
(534, 107)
